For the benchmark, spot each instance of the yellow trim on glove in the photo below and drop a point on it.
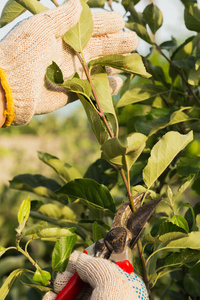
(9, 112)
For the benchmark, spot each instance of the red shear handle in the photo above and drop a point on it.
(126, 266)
(72, 289)
(75, 284)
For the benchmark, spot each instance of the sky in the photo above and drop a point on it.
(173, 23)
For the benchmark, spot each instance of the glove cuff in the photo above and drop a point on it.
(9, 112)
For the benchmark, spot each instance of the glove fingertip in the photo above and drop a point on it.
(49, 296)
(61, 280)
(71, 267)
(107, 22)
(115, 84)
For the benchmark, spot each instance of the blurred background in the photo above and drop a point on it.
(18, 146)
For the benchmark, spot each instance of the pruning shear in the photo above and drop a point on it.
(117, 245)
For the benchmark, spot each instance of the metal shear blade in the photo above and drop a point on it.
(126, 229)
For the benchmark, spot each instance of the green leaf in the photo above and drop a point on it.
(57, 212)
(136, 16)
(184, 257)
(95, 121)
(176, 117)
(169, 232)
(192, 241)
(78, 86)
(60, 223)
(188, 2)
(158, 73)
(36, 228)
(37, 184)
(96, 3)
(140, 93)
(186, 183)
(192, 17)
(153, 17)
(185, 63)
(62, 251)
(171, 236)
(10, 11)
(180, 221)
(130, 63)
(188, 165)
(124, 155)
(29, 282)
(2, 250)
(140, 30)
(186, 48)
(136, 172)
(102, 172)
(191, 285)
(162, 154)
(194, 75)
(33, 6)
(150, 239)
(63, 169)
(24, 211)
(79, 35)
(96, 232)
(168, 45)
(103, 92)
(23, 214)
(102, 89)
(5, 289)
(90, 192)
(154, 118)
(54, 233)
(54, 74)
(190, 217)
(42, 276)
(126, 3)
(196, 186)
(135, 145)
(114, 152)
(72, 84)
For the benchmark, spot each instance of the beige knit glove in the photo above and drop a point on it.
(31, 46)
(107, 281)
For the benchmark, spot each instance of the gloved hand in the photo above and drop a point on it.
(107, 281)
(31, 46)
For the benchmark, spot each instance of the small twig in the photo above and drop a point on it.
(26, 246)
(145, 277)
(122, 173)
(110, 4)
(25, 253)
